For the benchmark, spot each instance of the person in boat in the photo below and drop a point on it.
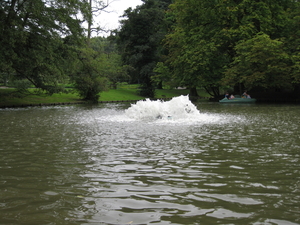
(244, 95)
(231, 97)
(227, 95)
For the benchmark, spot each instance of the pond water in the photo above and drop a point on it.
(102, 164)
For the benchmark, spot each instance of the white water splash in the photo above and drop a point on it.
(177, 108)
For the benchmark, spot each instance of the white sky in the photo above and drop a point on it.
(116, 9)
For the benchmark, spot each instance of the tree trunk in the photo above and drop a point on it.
(90, 21)
(159, 85)
(193, 92)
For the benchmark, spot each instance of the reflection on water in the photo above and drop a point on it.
(95, 165)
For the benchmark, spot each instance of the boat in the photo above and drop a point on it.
(238, 99)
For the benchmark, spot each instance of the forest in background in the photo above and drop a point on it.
(219, 45)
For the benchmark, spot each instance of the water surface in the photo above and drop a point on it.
(232, 164)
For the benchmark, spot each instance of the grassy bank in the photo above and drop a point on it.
(9, 98)
(128, 94)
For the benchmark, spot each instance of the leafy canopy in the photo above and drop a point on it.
(139, 41)
(210, 39)
(32, 39)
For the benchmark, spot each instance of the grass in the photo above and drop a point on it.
(8, 97)
(128, 93)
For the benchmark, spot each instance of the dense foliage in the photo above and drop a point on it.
(43, 44)
(97, 67)
(229, 42)
(31, 39)
(139, 40)
(216, 45)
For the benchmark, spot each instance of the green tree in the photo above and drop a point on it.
(111, 62)
(202, 44)
(31, 39)
(87, 76)
(98, 66)
(270, 58)
(292, 40)
(196, 55)
(140, 39)
(263, 62)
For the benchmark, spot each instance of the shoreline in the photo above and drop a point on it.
(82, 102)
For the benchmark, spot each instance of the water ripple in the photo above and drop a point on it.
(72, 165)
